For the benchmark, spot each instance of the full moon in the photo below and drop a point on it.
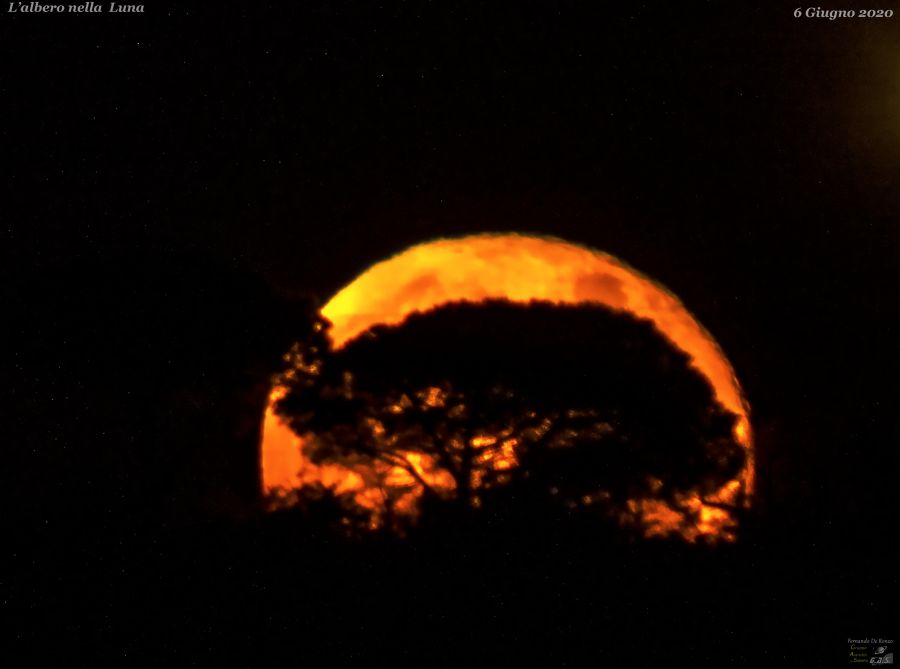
(518, 268)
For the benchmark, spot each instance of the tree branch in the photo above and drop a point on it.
(400, 461)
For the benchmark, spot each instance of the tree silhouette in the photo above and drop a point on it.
(571, 406)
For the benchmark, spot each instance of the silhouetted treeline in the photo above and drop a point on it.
(277, 587)
(585, 407)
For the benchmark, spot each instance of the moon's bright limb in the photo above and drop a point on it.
(518, 268)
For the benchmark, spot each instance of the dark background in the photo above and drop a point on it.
(178, 183)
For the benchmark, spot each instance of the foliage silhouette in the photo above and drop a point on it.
(559, 407)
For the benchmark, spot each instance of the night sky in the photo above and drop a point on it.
(255, 155)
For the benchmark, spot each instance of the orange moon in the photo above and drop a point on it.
(519, 268)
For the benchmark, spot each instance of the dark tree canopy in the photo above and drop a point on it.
(572, 405)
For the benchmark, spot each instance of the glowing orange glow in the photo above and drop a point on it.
(520, 269)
